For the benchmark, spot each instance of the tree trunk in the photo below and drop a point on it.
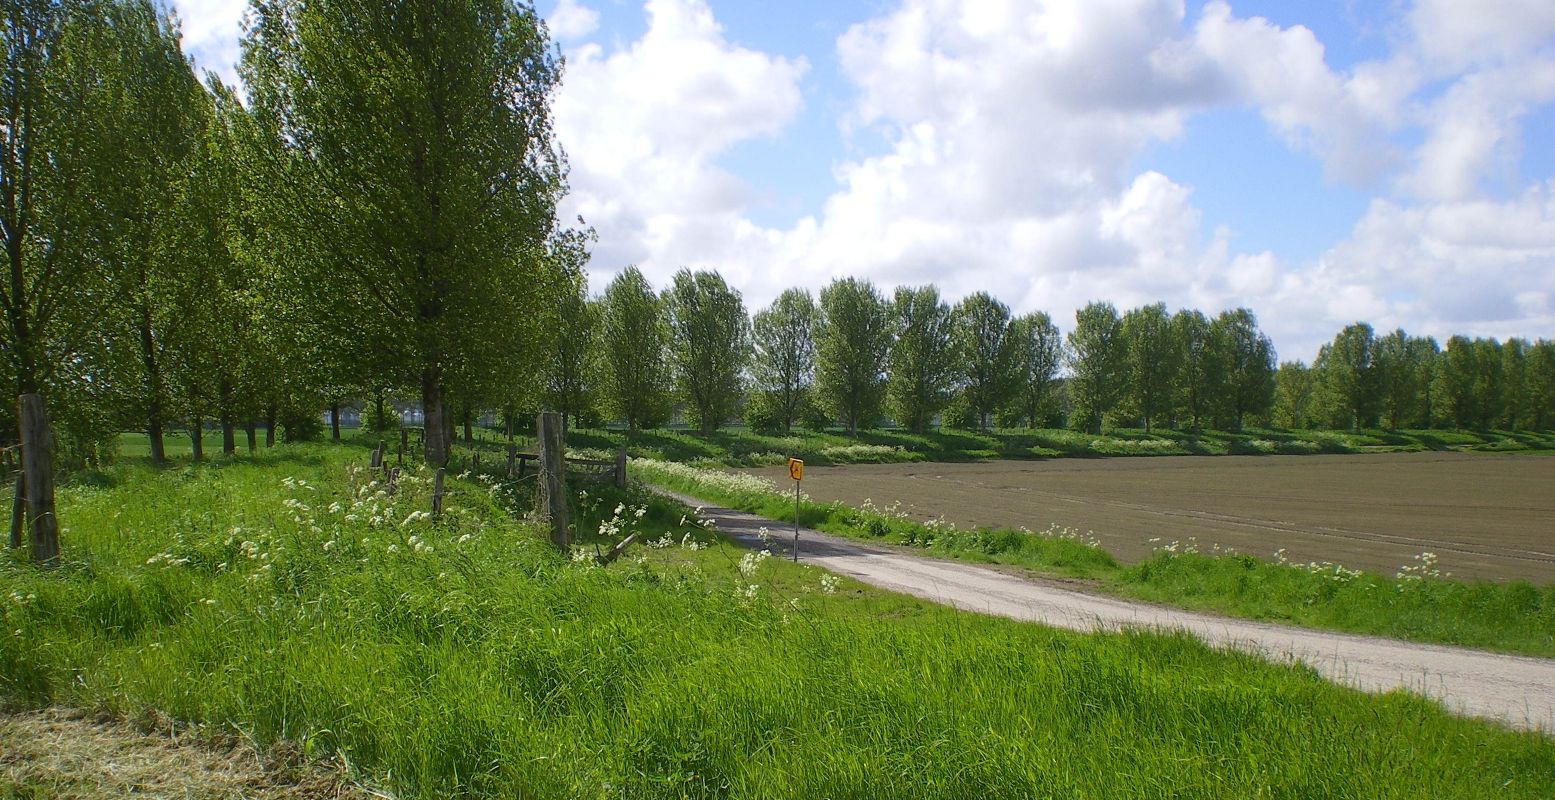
(271, 412)
(253, 436)
(435, 427)
(334, 422)
(468, 418)
(380, 415)
(38, 466)
(154, 433)
(197, 438)
(148, 360)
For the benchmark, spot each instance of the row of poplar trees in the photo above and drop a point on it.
(1399, 381)
(856, 356)
(373, 213)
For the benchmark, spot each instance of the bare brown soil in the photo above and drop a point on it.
(61, 753)
(1485, 516)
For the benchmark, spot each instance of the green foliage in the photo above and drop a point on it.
(852, 341)
(1204, 367)
(409, 158)
(709, 344)
(1152, 362)
(1404, 366)
(635, 340)
(783, 359)
(1295, 396)
(1097, 359)
(1348, 377)
(1249, 359)
(982, 330)
(923, 365)
(1038, 353)
(575, 360)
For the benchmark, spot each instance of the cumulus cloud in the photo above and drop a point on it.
(572, 20)
(644, 125)
(211, 29)
(993, 145)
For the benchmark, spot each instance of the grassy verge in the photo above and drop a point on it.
(1418, 604)
(742, 447)
(290, 597)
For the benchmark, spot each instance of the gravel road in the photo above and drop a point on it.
(1515, 690)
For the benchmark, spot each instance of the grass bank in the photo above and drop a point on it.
(742, 447)
(1416, 604)
(290, 596)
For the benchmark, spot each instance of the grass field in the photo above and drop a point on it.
(1417, 603)
(286, 598)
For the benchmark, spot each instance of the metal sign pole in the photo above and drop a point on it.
(796, 471)
(796, 522)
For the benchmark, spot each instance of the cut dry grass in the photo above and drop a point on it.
(71, 755)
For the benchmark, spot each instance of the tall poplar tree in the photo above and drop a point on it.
(982, 327)
(709, 344)
(416, 160)
(783, 365)
(1098, 364)
(635, 339)
(921, 370)
(1348, 376)
(57, 113)
(1039, 353)
(1250, 363)
(852, 343)
(1153, 361)
(162, 111)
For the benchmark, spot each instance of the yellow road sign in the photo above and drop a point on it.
(796, 469)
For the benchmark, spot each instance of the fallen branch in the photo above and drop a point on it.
(615, 552)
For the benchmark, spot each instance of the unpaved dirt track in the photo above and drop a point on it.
(1516, 690)
(1485, 516)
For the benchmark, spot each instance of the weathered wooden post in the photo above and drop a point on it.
(19, 510)
(37, 458)
(552, 484)
(377, 459)
(620, 474)
(512, 457)
(437, 494)
(404, 444)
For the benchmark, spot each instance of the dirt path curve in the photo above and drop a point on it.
(1516, 690)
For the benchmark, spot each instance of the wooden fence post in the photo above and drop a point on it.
(37, 463)
(620, 475)
(404, 444)
(552, 484)
(437, 494)
(377, 458)
(19, 511)
(512, 457)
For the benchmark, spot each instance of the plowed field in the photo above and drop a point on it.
(1485, 516)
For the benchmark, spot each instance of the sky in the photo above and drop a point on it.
(1321, 162)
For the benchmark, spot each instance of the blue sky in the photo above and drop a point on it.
(1319, 162)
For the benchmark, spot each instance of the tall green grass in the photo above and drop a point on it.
(468, 658)
(1418, 604)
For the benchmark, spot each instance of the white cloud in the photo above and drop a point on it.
(572, 20)
(643, 126)
(992, 145)
(211, 29)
